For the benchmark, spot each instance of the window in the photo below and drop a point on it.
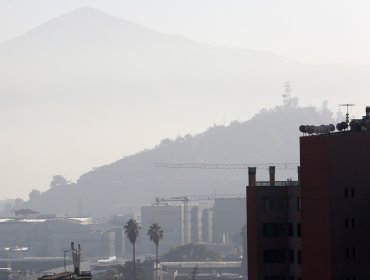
(291, 256)
(291, 230)
(299, 230)
(274, 203)
(274, 256)
(352, 192)
(299, 257)
(273, 229)
(353, 222)
(354, 252)
(299, 203)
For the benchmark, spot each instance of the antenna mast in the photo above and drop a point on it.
(287, 92)
(347, 114)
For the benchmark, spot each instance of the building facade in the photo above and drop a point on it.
(318, 228)
(335, 174)
(273, 229)
(228, 218)
(170, 219)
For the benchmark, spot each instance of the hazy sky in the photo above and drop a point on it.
(313, 31)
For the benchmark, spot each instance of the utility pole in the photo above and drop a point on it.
(65, 263)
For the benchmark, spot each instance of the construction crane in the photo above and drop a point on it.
(194, 165)
(185, 199)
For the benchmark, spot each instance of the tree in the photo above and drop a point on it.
(58, 180)
(155, 234)
(34, 194)
(25, 212)
(132, 230)
(191, 253)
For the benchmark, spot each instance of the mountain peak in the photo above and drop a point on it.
(88, 11)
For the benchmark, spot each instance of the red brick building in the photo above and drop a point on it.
(273, 229)
(331, 238)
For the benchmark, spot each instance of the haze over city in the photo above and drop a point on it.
(178, 140)
(73, 99)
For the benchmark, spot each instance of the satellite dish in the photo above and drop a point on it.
(302, 128)
(311, 129)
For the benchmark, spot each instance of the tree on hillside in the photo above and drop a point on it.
(58, 180)
(132, 230)
(155, 234)
(34, 194)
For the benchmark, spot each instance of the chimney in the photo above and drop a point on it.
(299, 175)
(368, 111)
(272, 175)
(252, 176)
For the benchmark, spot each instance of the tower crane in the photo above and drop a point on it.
(197, 165)
(187, 198)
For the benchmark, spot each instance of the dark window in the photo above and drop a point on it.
(347, 252)
(273, 229)
(353, 222)
(346, 223)
(274, 203)
(354, 252)
(291, 256)
(274, 256)
(352, 192)
(299, 230)
(299, 203)
(345, 192)
(291, 230)
(299, 257)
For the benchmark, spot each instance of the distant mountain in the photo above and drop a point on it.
(87, 55)
(271, 136)
(87, 83)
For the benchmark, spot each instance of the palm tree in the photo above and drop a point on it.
(132, 229)
(155, 234)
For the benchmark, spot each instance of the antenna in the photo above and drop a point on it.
(287, 91)
(347, 114)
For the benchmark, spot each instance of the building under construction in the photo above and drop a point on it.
(193, 219)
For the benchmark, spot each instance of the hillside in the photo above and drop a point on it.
(271, 136)
(84, 88)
